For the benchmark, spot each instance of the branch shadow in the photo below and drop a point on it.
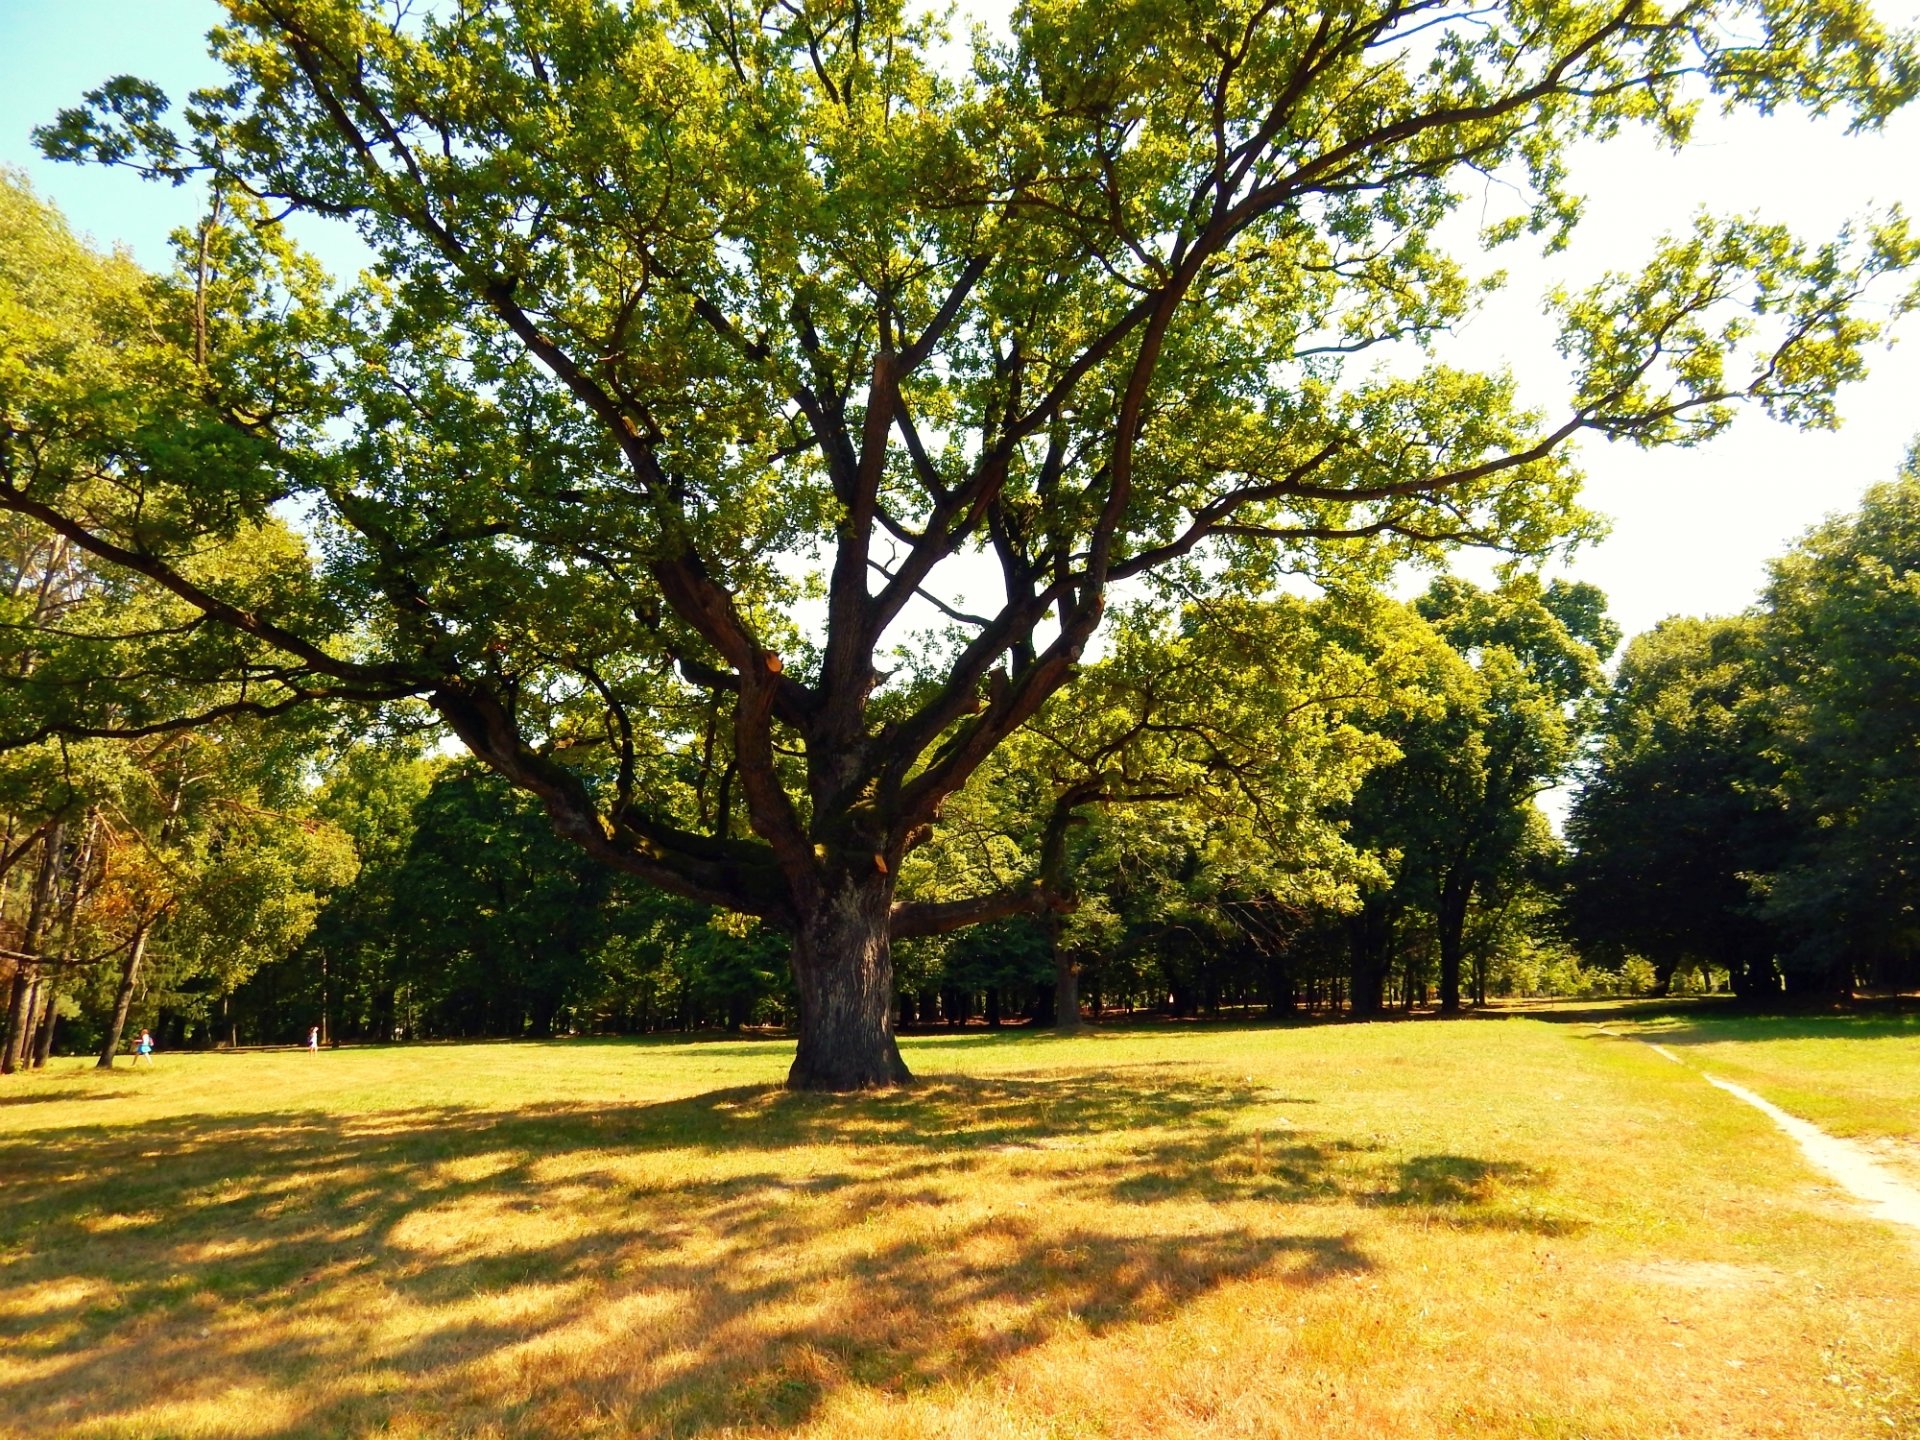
(726, 1260)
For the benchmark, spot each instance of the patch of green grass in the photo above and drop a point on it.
(1492, 1228)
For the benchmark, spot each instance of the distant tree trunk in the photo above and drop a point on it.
(1833, 980)
(1456, 892)
(43, 1047)
(1066, 992)
(843, 970)
(1751, 979)
(1369, 946)
(123, 1002)
(1179, 999)
(993, 1006)
(27, 980)
(1282, 996)
(1040, 1011)
(70, 915)
(29, 1022)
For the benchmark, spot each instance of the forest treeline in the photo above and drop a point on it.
(1265, 807)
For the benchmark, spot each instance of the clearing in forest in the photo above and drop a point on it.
(1491, 1228)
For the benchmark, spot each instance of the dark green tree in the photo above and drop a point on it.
(1843, 707)
(1678, 814)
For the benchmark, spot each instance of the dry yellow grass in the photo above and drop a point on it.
(1512, 1228)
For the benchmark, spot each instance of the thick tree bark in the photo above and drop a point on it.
(123, 1002)
(843, 969)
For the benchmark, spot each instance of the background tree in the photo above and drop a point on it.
(212, 867)
(350, 973)
(1843, 706)
(1455, 815)
(1679, 814)
(668, 293)
(469, 917)
(1190, 781)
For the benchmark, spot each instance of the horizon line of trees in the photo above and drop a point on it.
(1744, 818)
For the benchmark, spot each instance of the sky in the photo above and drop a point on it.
(1692, 530)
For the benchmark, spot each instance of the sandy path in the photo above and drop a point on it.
(1847, 1163)
(1850, 1164)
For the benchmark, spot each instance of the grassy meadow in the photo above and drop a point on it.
(1501, 1228)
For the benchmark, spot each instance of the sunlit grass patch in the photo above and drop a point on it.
(1856, 1075)
(1505, 1229)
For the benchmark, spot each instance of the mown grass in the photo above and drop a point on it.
(1511, 1228)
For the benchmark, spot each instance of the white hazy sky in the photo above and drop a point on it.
(1692, 530)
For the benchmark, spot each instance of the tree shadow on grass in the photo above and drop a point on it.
(61, 1096)
(1744, 1029)
(731, 1259)
(1730, 1027)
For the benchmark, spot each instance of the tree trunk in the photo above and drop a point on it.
(43, 1046)
(19, 1045)
(1282, 997)
(1066, 993)
(1369, 944)
(70, 916)
(1451, 920)
(123, 1002)
(1449, 973)
(30, 1022)
(843, 970)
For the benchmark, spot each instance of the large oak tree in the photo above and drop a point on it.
(671, 297)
